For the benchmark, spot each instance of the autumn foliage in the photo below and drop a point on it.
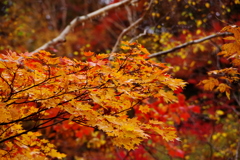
(40, 91)
(225, 77)
(141, 79)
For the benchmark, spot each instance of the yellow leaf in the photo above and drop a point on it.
(198, 31)
(207, 5)
(228, 94)
(155, 122)
(210, 83)
(144, 109)
(167, 133)
(56, 154)
(1, 65)
(223, 87)
(125, 43)
(219, 112)
(125, 47)
(199, 23)
(229, 38)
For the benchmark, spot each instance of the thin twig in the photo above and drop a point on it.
(64, 13)
(150, 152)
(138, 36)
(126, 30)
(24, 118)
(237, 150)
(189, 43)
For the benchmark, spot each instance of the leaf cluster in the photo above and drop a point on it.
(225, 77)
(97, 93)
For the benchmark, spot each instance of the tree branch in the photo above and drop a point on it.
(62, 36)
(24, 118)
(149, 152)
(138, 36)
(238, 146)
(237, 150)
(36, 128)
(189, 43)
(126, 30)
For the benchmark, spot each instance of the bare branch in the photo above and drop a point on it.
(189, 43)
(80, 19)
(24, 118)
(138, 36)
(126, 30)
(35, 128)
(129, 13)
(150, 152)
(64, 13)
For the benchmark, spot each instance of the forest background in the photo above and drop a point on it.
(182, 36)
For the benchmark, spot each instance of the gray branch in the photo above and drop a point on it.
(81, 19)
(134, 24)
(126, 30)
(139, 36)
(189, 43)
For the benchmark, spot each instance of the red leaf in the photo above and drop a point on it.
(79, 134)
(176, 153)
(195, 109)
(185, 116)
(178, 90)
(1, 70)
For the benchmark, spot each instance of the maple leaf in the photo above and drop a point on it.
(97, 94)
(144, 109)
(231, 51)
(88, 53)
(223, 87)
(2, 67)
(125, 47)
(210, 83)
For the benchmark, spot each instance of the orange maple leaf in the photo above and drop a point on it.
(88, 53)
